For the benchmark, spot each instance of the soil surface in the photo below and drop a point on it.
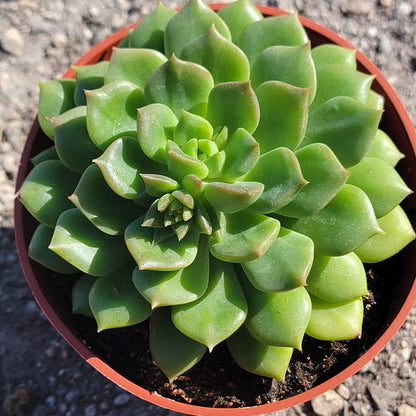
(40, 374)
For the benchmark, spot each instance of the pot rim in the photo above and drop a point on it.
(102, 50)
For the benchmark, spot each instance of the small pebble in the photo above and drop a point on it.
(11, 41)
(406, 410)
(121, 399)
(329, 403)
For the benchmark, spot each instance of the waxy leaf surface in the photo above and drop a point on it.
(330, 54)
(80, 295)
(384, 148)
(191, 126)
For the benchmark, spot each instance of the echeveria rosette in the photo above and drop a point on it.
(223, 177)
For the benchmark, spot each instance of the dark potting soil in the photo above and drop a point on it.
(217, 381)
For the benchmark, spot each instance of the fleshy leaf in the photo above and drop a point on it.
(325, 175)
(173, 352)
(277, 319)
(381, 182)
(258, 358)
(72, 142)
(243, 236)
(55, 97)
(110, 213)
(80, 293)
(232, 197)
(158, 185)
(112, 112)
(345, 223)
(384, 148)
(39, 251)
(77, 241)
(281, 175)
(337, 279)
(191, 21)
(180, 85)
(175, 287)
(218, 313)
(115, 302)
(169, 254)
(223, 59)
(235, 105)
(283, 115)
(347, 126)
(190, 126)
(47, 154)
(330, 54)
(284, 266)
(45, 191)
(375, 100)
(335, 321)
(289, 64)
(398, 232)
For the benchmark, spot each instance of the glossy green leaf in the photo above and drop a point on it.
(289, 64)
(191, 126)
(158, 185)
(218, 313)
(115, 302)
(345, 223)
(169, 254)
(190, 22)
(47, 154)
(77, 241)
(110, 213)
(112, 112)
(55, 97)
(398, 233)
(277, 319)
(180, 85)
(175, 287)
(235, 105)
(80, 295)
(39, 251)
(223, 59)
(337, 279)
(284, 266)
(384, 148)
(243, 236)
(278, 30)
(381, 182)
(173, 352)
(133, 64)
(375, 100)
(330, 54)
(258, 358)
(347, 126)
(72, 142)
(215, 165)
(325, 176)
(335, 321)
(281, 175)
(45, 191)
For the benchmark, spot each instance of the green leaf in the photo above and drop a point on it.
(169, 254)
(112, 112)
(284, 266)
(158, 185)
(381, 182)
(283, 115)
(133, 65)
(47, 154)
(235, 105)
(190, 22)
(325, 175)
(243, 236)
(72, 142)
(375, 100)
(258, 358)
(277, 319)
(77, 241)
(384, 148)
(335, 321)
(115, 302)
(232, 197)
(45, 191)
(281, 175)
(39, 251)
(190, 126)
(55, 97)
(80, 293)
(218, 313)
(330, 54)
(175, 287)
(345, 223)
(347, 126)
(223, 59)
(397, 234)
(173, 352)
(337, 279)
(180, 85)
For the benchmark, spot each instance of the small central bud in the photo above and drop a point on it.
(201, 149)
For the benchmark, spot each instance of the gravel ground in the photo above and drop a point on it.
(39, 374)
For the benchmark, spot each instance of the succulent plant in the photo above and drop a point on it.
(223, 177)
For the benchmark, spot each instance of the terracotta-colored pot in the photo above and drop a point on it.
(395, 122)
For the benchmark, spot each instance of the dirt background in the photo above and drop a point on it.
(39, 373)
